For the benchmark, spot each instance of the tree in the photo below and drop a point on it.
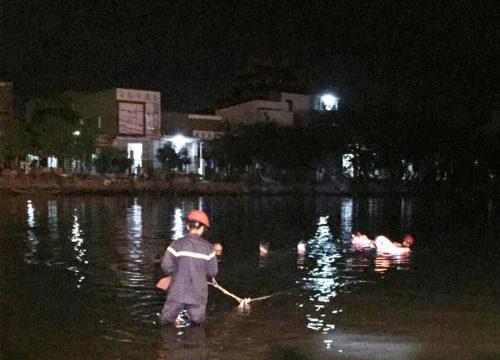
(293, 151)
(112, 160)
(14, 141)
(229, 153)
(84, 141)
(169, 159)
(383, 137)
(60, 132)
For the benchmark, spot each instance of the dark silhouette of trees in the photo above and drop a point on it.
(112, 160)
(14, 141)
(170, 160)
(61, 133)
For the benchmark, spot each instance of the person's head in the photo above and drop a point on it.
(263, 248)
(408, 240)
(197, 221)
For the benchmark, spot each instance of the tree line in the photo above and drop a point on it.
(382, 142)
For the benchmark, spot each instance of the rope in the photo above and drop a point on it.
(244, 301)
(216, 285)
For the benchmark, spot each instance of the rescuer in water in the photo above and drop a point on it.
(188, 262)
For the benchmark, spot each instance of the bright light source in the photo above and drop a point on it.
(76, 133)
(330, 102)
(179, 141)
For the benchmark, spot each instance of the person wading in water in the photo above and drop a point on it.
(188, 262)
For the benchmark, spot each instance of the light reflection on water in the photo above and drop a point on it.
(79, 250)
(178, 227)
(321, 278)
(32, 241)
(331, 266)
(323, 263)
(107, 247)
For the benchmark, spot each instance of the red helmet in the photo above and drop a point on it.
(200, 216)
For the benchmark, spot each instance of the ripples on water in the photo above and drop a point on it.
(93, 263)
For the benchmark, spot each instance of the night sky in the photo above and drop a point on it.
(190, 50)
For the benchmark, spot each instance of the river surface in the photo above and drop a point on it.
(78, 278)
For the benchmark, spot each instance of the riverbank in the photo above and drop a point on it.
(54, 183)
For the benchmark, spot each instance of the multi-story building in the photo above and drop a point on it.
(128, 119)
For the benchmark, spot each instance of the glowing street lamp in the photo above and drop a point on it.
(179, 141)
(330, 102)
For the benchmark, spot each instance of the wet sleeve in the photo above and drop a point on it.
(168, 263)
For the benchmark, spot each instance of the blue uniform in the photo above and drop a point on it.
(189, 261)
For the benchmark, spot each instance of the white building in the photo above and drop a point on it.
(190, 132)
(128, 119)
(290, 109)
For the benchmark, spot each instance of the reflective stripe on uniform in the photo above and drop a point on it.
(190, 254)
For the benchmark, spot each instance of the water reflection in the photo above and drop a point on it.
(53, 227)
(346, 219)
(374, 212)
(133, 248)
(87, 234)
(186, 343)
(407, 210)
(79, 250)
(32, 241)
(386, 262)
(321, 279)
(178, 224)
(134, 221)
(330, 264)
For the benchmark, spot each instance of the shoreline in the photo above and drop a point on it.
(55, 184)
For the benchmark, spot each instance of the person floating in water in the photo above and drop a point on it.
(360, 241)
(189, 261)
(382, 244)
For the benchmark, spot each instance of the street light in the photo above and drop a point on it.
(330, 102)
(179, 141)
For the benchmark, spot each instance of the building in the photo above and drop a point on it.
(128, 119)
(190, 132)
(201, 126)
(286, 109)
(266, 91)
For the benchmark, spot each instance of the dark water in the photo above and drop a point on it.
(78, 275)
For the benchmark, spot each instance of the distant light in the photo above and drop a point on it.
(76, 133)
(330, 102)
(179, 141)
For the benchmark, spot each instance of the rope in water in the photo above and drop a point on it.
(243, 301)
